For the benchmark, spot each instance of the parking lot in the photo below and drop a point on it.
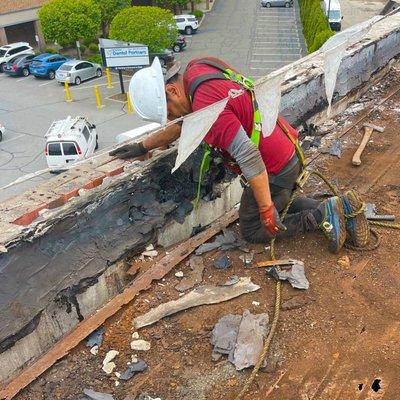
(29, 105)
(254, 39)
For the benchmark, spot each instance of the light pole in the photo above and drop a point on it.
(329, 11)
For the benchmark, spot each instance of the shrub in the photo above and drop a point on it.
(93, 47)
(87, 41)
(50, 50)
(152, 26)
(316, 29)
(198, 14)
(83, 48)
(95, 59)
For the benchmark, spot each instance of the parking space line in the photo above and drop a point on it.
(22, 79)
(279, 50)
(275, 54)
(92, 86)
(12, 139)
(46, 83)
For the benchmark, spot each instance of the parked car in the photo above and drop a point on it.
(45, 65)
(186, 23)
(9, 51)
(69, 140)
(180, 44)
(77, 71)
(277, 3)
(2, 130)
(166, 58)
(19, 65)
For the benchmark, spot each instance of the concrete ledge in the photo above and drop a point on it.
(60, 242)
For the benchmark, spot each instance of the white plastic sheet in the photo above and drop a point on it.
(195, 127)
(350, 35)
(334, 50)
(332, 59)
(268, 96)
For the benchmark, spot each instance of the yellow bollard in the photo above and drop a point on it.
(128, 98)
(109, 79)
(68, 96)
(98, 97)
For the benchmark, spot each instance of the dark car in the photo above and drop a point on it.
(19, 65)
(46, 65)
(180, 44)
(166, 58)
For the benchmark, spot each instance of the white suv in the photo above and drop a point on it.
(186, 23)
(14, 49)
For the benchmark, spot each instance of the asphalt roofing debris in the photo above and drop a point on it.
(240, 337)
(226, 241)
(295, 274)
(206, 294)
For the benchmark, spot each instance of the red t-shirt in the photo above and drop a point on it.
(276, 150)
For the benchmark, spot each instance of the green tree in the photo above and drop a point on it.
(66, 21)
(109, 9)
(176, 5)
(152, 26)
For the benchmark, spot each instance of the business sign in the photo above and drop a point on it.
(122, 55)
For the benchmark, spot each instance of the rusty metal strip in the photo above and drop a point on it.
(88, 325)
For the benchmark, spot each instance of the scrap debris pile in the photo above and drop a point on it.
(240, 337)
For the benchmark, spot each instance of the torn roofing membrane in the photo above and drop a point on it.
(195, 128)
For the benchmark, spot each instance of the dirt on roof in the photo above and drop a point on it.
(337, 340)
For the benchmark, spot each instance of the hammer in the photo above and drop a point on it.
(368, 129)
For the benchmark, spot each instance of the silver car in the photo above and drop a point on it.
(77, 71)
(277, 3)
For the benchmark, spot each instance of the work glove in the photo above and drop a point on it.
(270, 219)
(129, 151)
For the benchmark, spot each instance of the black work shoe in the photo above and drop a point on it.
(334, 225)
(356, 222)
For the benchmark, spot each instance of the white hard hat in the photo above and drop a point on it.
(147, 93)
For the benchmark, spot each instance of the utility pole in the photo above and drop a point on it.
(329, 11)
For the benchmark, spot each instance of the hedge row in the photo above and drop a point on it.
(316, 29)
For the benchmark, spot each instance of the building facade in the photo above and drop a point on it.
(19, 22)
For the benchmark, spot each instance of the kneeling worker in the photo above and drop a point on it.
(269, 165)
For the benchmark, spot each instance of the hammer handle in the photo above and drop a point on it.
(357, 155)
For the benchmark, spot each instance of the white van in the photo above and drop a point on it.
(335, 14)
(69, 140)
(137, 132)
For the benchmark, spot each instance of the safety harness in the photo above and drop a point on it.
(248, 84)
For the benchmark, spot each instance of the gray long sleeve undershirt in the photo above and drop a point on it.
(246, 154)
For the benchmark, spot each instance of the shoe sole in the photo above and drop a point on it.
(337, 208)
(360, 234)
